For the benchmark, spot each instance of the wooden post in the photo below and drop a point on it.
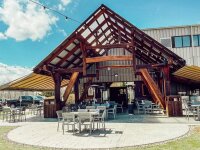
(97, 71)
(72, 81)
(166, 71)
(76, 91)
(57, 81)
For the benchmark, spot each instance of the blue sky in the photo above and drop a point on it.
(23, 44)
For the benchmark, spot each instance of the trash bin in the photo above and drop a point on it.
(174, 106)
(49, 108)
(130, 108)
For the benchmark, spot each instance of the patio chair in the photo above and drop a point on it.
(156, 108)
(19, 114)
(85, 119)
(100, 108)
(59, 118)
(112, 111)
(100, 119)
(7, 113)
(120, 106)
(22, 114)
(90, 107)
(69, 119)
(33, 109)
(147, 106)
(189, 110)
(140, 107)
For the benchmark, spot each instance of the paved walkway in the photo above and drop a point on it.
(116, 135)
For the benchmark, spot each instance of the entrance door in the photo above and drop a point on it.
(119, 95)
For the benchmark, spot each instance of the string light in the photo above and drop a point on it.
(55, 11)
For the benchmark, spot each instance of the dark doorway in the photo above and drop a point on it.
(119, 95)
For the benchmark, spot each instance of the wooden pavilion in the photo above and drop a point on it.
(106, 44)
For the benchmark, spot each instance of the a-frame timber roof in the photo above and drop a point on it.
(104, 27)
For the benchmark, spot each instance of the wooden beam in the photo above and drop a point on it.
(149, 66)
(88, 76)
(68, 70)
(115, 66)
(72, 81)
(122, 45)
(133, 50)
(108, 58)
(84, 54)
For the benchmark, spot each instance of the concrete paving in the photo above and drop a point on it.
(117, 134)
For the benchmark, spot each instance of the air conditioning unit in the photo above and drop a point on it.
(166, 42)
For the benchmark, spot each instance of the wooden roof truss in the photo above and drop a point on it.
(105, 29)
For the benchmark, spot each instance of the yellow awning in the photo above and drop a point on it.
(189, 72)
(32, 82)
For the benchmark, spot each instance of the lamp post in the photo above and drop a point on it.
(94, 91)
(20, 100)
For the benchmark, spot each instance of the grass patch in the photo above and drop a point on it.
(191, 142)
(7, 145)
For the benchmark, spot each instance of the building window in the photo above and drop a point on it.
(196, 40)
(181, 41)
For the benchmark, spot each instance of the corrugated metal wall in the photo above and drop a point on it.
(124, 74)
(190, 54)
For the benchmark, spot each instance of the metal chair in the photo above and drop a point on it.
(112, 111)
(59, 117)
(22, 113)
(189, 110)
(69, 119)
(140, 107)
(7, 113)
(100, 119)
(147, 106)
(120, 106)
(85, 119)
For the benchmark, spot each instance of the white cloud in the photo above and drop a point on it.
(63, 32)
(25, 20)
(2, 36)
(66, 2)
(61, 7)
(10, 73)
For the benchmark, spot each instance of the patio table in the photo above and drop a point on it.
(93, 114)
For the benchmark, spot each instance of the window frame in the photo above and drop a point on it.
(198, 38)
(182, 45)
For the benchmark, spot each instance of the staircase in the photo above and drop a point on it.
(152, 86)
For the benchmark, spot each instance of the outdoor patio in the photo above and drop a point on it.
(124, 131)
